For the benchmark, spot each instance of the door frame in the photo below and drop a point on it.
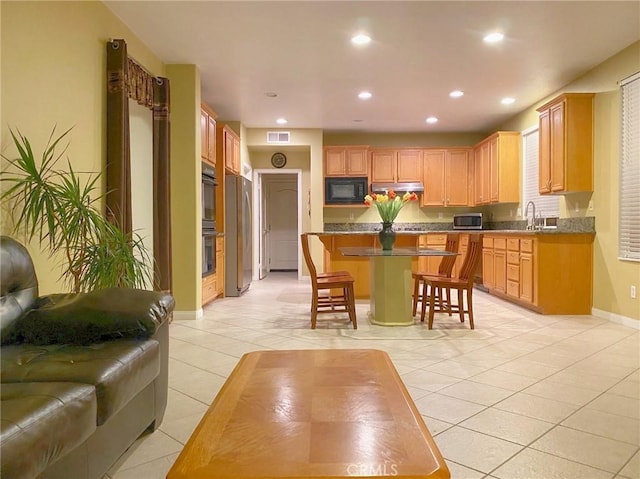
(257, 214)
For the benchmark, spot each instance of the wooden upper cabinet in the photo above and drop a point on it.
(229, 149)
(204, 128)
(446, 177)
(409, 166)
(211, 139)
(566, 144)
(494, 166)
(346, 161)
(383, 166)
(456, 176)
(391, 166)
(497, 168)
(207, 135)
(544, 152)
(482, 179)
(434, 173)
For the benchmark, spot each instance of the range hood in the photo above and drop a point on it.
(414, 187)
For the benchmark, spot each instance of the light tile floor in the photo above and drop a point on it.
(524, 396)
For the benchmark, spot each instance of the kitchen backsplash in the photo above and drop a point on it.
(565, 225)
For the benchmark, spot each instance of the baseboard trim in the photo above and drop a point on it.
(188, 314)
(616, 318)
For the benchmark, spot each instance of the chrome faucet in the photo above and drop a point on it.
(531, 225)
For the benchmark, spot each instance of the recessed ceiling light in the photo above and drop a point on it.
(364, 95)
(507, 101)
(431, 120)
(494, 37)
(360, 39)
(282, 121)
(271, 94)
(456, 94)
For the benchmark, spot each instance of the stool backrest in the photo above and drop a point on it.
(304, 241)
(448, 262)
(472, 258)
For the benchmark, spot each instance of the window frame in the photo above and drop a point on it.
(629, 170)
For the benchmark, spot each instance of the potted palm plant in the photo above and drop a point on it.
(60, 208)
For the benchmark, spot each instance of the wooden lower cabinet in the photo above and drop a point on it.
(220, 265)
(500, 264)
(213, 284)
(513, 267)
(549, 273)
(526, 270)
(487, 262)
(209, 288)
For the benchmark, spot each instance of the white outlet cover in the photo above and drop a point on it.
(439, 216)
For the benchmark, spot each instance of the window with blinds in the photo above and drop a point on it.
(546, 205)
(629, 214)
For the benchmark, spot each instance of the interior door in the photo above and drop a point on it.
(283, 225)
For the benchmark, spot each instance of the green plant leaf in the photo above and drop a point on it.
(61, 208)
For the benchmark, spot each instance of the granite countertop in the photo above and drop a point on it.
(422, 232)
(565, 226)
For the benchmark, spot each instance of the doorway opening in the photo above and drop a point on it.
(278, 216)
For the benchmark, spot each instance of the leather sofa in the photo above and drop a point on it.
(82, 376)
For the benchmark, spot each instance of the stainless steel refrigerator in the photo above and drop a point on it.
(238, 236)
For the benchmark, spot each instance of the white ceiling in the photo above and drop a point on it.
(421, 51)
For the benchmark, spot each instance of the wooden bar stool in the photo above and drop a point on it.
(444, 271)
(344, 301)
(463, 282)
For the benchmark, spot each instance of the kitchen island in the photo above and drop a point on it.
(390, 283)
(547, 271)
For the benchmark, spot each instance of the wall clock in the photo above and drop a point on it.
(278, 160)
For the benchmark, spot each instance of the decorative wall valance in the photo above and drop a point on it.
(140, 83)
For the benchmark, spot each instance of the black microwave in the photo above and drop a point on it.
(345, 190)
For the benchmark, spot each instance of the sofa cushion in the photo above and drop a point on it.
(18, 285)
(118, 369)
(100, 315)
(41, 422)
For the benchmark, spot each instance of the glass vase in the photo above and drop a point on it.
(387, 236)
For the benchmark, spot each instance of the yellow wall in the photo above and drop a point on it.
(186, 205)
(256, 139)
(612, 277)
(53, 74)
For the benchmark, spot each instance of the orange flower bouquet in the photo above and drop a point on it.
(389, 205)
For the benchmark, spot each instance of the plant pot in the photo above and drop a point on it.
(387, 236)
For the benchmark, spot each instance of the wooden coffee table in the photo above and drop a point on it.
(311, 414)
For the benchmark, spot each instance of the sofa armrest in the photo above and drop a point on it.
(95, 316)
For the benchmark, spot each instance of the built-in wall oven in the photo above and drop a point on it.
(208, 253)
(209, 183)
(209, 230)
